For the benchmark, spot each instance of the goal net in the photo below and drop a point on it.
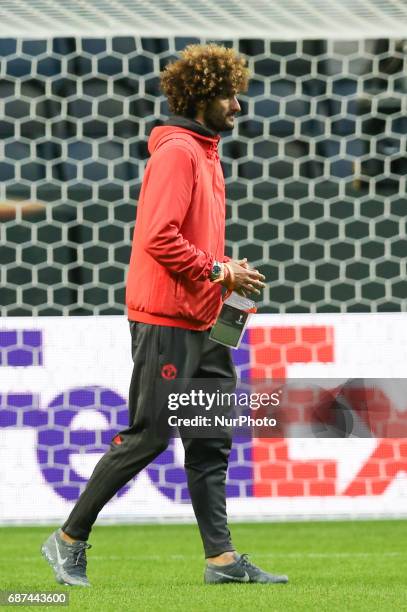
(315, 168)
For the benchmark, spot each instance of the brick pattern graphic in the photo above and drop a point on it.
(20, 348)
(275, 474)
(387, 461)
(274, 348)
(259, 467)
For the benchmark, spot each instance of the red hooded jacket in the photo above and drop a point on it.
(179, 231)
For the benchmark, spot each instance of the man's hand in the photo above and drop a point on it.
(245, 280)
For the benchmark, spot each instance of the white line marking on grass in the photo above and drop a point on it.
(293, 555)
(290, 555)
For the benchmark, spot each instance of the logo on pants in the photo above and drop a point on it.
(169, 371)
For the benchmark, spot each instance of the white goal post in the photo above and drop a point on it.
(224, 19)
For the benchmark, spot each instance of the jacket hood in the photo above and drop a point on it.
(181, 125)
(190, 124)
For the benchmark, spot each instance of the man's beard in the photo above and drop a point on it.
(215, 119)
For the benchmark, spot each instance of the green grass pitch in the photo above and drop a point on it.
(343, 566)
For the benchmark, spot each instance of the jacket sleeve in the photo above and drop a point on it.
(167, 198)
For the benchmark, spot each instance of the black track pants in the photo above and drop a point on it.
(161, 352)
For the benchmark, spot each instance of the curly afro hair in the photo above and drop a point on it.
(203, 72)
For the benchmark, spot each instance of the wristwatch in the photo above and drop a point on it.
(216, 271)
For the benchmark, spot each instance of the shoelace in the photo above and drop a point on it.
(80, 551)
(246, 563)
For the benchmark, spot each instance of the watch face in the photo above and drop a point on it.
(216, 270)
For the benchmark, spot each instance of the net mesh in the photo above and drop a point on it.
(315, 169)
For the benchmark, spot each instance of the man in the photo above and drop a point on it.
(174, 295)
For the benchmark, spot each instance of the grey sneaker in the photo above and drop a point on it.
(240, 571)
(67, 560)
